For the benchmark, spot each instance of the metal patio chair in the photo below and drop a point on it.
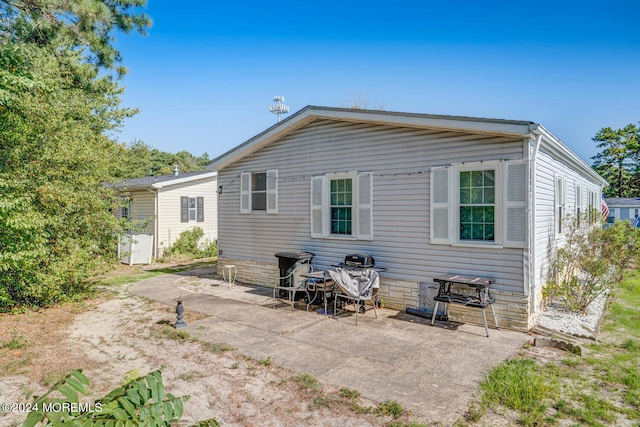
(297, 283)
(356, 286)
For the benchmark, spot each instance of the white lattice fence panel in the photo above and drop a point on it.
(124, 249)
(141, 249)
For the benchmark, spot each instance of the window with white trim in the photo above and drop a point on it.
(480, 203)
(477, 204)
(560, 192)
(578, 203)
(259, 191)
(191, 209)
(341, 205)
(636, 213)
(594, 207)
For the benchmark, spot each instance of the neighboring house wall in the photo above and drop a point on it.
(400, 159)
(169, 221)
(142, 207)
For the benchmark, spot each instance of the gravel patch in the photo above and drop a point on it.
(558, 318)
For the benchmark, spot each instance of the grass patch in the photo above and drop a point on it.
(16, 342)
(600, 389)
(133, 278)
(308, 381)
(216, 348)
(265, 361)
(390, 407)
(348, 393)
(522, 385)
(176, 334)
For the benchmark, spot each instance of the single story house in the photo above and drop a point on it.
(621, 208)
(174, 203)
(425, 195)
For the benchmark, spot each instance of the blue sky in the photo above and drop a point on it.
(207, 72)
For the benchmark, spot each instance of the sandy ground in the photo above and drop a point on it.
(122, 336)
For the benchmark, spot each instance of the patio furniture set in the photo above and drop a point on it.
(353, 282)
(356, 281)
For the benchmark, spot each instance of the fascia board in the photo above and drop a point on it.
(183, 180)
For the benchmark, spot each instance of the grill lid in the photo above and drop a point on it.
(359, 260)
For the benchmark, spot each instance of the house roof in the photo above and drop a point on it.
(623, 202)
(310, 113)
(163, 180)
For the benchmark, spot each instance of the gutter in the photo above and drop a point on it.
(155, 221)
(532, 250)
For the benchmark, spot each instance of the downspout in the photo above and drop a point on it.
(155, 222)
(532, 283)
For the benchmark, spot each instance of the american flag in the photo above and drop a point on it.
(605, 209)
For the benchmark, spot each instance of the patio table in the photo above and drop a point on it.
(319, 281)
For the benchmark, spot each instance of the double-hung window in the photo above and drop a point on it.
(593, 206)
(259, 191)
(560, 201)
(479, 203)
(341, 206)
(191, 209)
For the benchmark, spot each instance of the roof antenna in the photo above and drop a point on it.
(279, 108)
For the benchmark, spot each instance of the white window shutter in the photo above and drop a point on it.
(365, 206)
(245, 192)
(516, 219)
(272, 191)
(317, 217)
(440, 207)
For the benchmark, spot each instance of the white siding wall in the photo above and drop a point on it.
(400, 201)
(547, 167)
(169, 225)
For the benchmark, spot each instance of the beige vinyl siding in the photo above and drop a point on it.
(142, 207)
(169, 225)
(399, 158)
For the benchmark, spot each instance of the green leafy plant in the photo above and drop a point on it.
(140, 402)
(590, 261)
(187, 245)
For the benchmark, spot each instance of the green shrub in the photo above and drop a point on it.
(590, 261)
(187, 244)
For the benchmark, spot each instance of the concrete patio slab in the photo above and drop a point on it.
(431, 370)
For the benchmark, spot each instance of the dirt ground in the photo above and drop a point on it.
(117, 336)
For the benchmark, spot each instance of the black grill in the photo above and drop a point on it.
(359, 261)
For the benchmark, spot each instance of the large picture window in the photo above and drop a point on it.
(477, 205)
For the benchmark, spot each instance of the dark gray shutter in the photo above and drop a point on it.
(200, 209)
(184, 209)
